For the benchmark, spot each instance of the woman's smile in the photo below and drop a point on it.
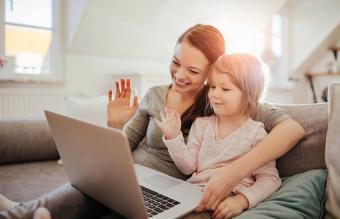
(181, 83)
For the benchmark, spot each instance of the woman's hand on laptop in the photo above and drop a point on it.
(119, 110)
(218, 188)
(170, 123)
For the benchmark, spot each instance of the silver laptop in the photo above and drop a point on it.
(98, 162)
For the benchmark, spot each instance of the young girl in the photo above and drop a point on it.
(236, 83)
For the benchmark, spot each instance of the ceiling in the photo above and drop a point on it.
(148, 29)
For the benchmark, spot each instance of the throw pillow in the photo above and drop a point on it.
(300, 196)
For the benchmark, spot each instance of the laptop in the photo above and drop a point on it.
(98, 162)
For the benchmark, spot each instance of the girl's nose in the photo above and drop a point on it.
(216, 93)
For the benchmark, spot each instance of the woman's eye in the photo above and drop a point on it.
(174, 62)
(225, 89)
(195, 72)
(212, 87)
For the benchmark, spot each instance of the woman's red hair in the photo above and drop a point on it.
(209, 40)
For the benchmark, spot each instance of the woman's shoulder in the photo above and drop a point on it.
(253, 125)
(158, 90)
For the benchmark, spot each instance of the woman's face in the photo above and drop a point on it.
(188, 69)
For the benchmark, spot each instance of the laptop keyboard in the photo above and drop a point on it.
(156, 203)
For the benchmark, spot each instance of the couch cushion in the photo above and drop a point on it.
(63, 202)
(300, 196)
(27, 181)
(26, 140)
(309, 153)
(333, 152)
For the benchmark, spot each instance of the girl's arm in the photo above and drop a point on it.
(185, 156)
(279, 141)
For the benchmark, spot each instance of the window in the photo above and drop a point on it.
(30, 40)
(275, 53)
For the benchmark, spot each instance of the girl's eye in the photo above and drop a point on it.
(212, 87)
(225, 89)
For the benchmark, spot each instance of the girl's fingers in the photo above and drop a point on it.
(109, 96)
(162, 114)
(117, 89)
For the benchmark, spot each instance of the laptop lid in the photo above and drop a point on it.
(98, 162)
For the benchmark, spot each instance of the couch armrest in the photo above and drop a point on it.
(26, 140)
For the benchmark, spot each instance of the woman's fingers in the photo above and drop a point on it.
(134, 103)
(109, 96)
(211, 202)
(122, 86)
(204, 201)
(214, 205)
(128, 88)
(118, 94)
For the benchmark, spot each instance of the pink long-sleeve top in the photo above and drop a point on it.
(205, 153)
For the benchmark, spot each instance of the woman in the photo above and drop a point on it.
(195, 51)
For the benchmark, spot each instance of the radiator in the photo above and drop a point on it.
(16, 104)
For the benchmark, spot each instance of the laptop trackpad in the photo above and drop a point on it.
(161, 182)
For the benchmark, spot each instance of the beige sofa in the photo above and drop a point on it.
(29, 169)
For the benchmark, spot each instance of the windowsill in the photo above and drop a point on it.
(15, 78)
(31, 81)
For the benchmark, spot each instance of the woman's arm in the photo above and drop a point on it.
(121, 115)
(279, 141)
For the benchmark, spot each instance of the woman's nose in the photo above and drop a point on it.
(180, 74)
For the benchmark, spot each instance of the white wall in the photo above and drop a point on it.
(94, 75)
(311, 22)
(73, 12)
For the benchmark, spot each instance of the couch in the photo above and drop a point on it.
(29, 172)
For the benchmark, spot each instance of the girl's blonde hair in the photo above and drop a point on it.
(247, 74)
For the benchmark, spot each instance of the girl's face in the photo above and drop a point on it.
(224, 96)
(188, 69)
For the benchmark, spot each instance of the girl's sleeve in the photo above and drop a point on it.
(185, 156)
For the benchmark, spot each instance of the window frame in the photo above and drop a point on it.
(57, 56)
